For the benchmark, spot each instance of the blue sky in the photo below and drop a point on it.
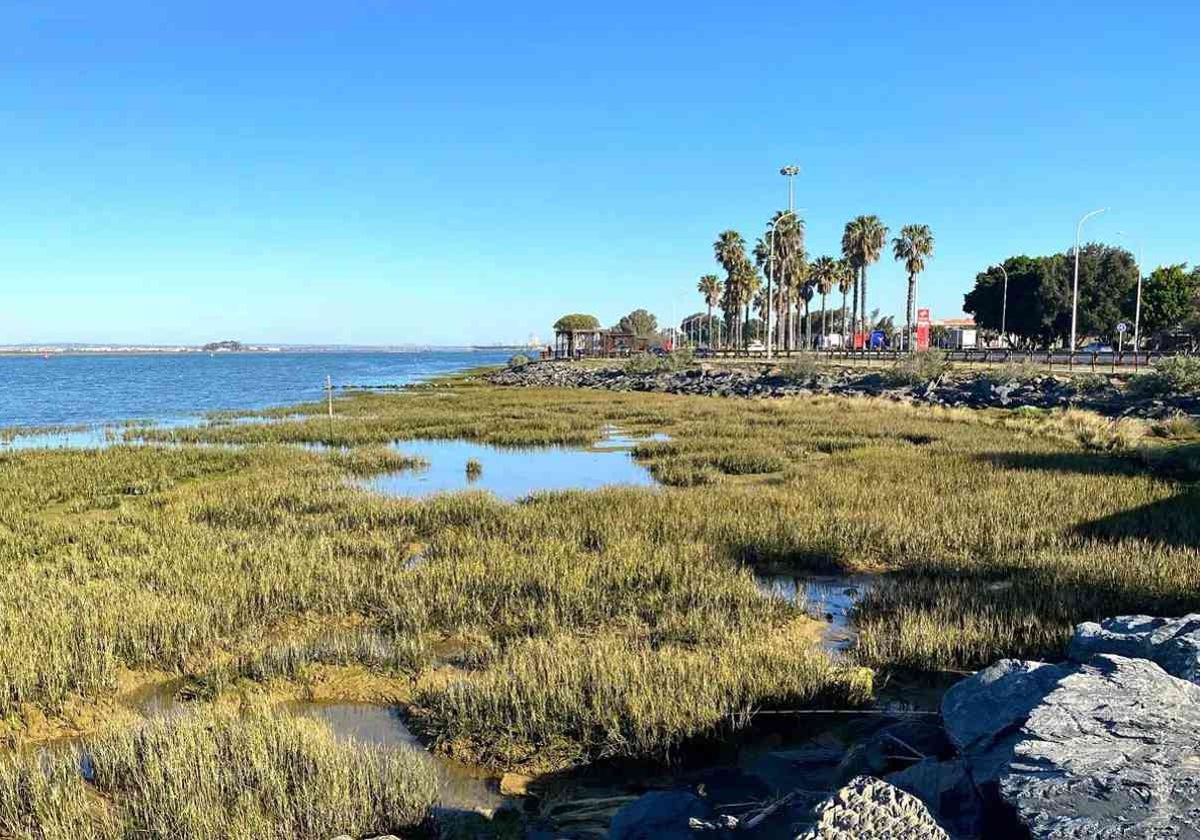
(374, 172)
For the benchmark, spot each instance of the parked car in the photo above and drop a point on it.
(756, 347)
(1096, 347)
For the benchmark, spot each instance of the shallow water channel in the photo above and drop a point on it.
(513, 473)
(828, 598)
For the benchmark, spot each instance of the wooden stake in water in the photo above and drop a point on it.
(329, 392)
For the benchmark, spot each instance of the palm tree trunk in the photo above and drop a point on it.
(824, 318)
(785, 333)
(854, 310)
(863, 300)
(844, 312)
(909, 313)
(708, 323)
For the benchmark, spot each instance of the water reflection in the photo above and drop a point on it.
(830, 598)
(513, 473)
(460, 787)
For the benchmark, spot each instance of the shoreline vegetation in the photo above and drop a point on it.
(537, 635)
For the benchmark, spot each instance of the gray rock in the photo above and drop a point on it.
(661, 815)
(871, 809)
(947, 790)
(983, 714)
(1113, 751)
(1174, 643)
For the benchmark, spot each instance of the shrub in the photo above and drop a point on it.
(800, 370)
(1174, 375)
(651, 363)
(1089, 383)
(1178, 427)
(519, 360)
(920, 368)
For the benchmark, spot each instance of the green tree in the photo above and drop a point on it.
(1169, 299)
(824, 274)
(862, 243)
(730, 251)
(710, 289)
(845, 279)
(1040, 293)
(985, 302)
(575, 323)
(786, 262)
(1107, 280)
(749, 282)
(913, 247)
(640, 323)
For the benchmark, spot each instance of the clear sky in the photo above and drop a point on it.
(390, 172)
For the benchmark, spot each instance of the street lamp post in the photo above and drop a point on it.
(1137, 307)
(1075, 288)
(770, 274)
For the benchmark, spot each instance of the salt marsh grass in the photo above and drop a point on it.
(210, 777)
(233, 566)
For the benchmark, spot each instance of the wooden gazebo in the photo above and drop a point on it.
(577, 336)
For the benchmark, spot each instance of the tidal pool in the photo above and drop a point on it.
(830, 598)
(513, 473)
(460, 787)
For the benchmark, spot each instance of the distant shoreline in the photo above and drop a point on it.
(197, 351)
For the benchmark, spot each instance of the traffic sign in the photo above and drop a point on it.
(1122, 327)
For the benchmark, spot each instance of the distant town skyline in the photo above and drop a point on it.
(462, 173)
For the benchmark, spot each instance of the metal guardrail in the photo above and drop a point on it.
(1052, 359)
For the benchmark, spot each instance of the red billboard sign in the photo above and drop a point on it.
(922, 329)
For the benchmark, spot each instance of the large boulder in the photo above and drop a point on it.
(983, 714)
(661, 815)
(1112, 752)
(871, 809)
(1174, 643)
(947, 790)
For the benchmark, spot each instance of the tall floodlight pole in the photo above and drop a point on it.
(1004, 306)
(1137, 307)
(1075, 288)
(790, 172)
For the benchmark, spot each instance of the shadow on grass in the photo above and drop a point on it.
(1086, 463)
(1172, 522)
(968, 618)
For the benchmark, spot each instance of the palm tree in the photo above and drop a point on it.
(845, 279)
(783, 260)
(749, 283)
(730, 252)
(710, 288)
(862, 243)
(913, 246)
(824, 274)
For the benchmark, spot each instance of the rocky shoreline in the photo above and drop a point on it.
(959, 390)
(1103, 745)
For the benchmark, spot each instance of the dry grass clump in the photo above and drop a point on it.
(919, 368)
(210, 777)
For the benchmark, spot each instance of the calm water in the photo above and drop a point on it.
(100, 389)
(515, 473)
(830, 598)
